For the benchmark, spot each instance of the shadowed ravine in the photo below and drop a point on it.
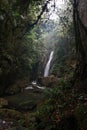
(43, 64)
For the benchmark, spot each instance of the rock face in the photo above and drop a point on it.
(82, 9)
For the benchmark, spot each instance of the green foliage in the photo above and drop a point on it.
(57, 102)
(18, 52)
(64, 61)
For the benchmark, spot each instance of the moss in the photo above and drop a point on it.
(20, 120)
(26, 100)
(17, 87)
(11, 114)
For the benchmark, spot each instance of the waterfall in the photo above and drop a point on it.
(46, 71)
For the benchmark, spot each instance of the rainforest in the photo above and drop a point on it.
(43, 65)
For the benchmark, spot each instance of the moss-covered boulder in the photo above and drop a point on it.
(48, 81)
(10, 114)
(17, 87)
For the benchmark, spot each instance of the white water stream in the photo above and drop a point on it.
(47, 68)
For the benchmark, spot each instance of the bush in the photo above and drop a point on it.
(57, 102)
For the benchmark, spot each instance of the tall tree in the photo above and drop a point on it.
(80, 22)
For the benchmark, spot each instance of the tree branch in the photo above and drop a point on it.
(39, 16)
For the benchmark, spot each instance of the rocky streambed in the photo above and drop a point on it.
(17, 109)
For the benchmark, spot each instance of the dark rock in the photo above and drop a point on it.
(48, 81)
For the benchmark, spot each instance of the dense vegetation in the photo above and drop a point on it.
(27, 36)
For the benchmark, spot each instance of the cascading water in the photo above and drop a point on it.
(34, 84)
(46, 71)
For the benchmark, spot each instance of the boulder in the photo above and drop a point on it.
(48, 81)
(17, 87)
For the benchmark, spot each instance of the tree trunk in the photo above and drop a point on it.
(81, 41)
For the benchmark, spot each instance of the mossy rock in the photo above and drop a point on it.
(49, 81)
(25, 100)
(28, 105)
(17, 87)
(12, 90)
(11, 114)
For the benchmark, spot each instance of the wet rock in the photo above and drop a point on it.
(48, 81)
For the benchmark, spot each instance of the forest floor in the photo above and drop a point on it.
(18, 111)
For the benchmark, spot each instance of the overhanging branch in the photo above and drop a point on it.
(39, 16)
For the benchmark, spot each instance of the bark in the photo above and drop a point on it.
(80, 21)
